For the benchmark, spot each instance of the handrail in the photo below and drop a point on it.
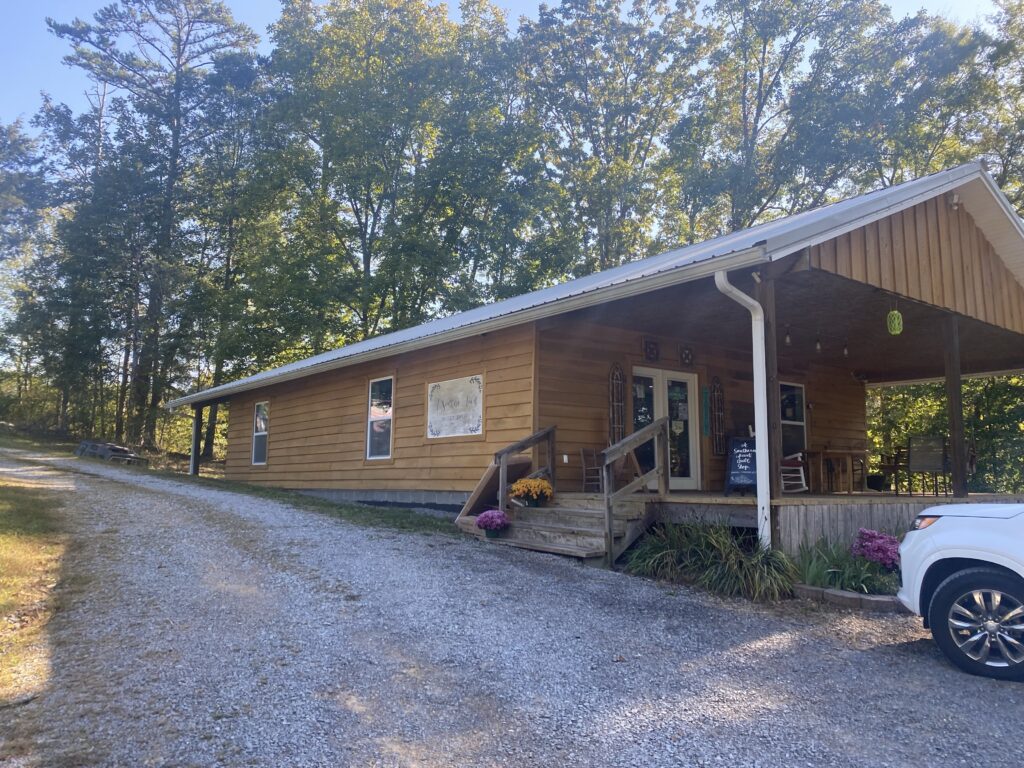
(657, 430)
(526, 442)
(629, 442)
(501, 459)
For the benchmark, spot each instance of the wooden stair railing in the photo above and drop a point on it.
(546, 435)
(657, 431)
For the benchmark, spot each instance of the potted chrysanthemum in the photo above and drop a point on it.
(492, 522)
(531, 491)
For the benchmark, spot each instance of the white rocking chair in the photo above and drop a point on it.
(794, 476)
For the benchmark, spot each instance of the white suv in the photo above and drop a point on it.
(963, 572)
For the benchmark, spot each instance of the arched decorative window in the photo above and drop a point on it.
(616, 404)
(717, 399)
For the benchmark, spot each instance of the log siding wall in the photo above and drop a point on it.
(931, 253)
(574, 359)
(317, 436)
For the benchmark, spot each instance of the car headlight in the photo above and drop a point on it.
(923, 521)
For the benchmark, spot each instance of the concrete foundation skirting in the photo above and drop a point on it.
(855, 600)
(446, 501)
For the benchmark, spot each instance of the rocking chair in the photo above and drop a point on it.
(793, 472)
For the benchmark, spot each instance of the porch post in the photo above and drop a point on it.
(764, 502)
(955, 408)
(197, 429)
(766, 298)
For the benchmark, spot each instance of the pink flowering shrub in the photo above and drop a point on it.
(878, 548)
(492, 520)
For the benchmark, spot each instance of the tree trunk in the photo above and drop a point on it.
(150, 373)
(122, 393)
(211, 433)
(62, 411)
(139, 428)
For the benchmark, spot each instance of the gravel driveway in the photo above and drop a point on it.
(207, 628)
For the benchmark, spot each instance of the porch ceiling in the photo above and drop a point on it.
(814, 305)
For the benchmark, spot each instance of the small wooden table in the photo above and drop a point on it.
(847, 458)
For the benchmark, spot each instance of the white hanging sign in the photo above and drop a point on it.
(456, 407)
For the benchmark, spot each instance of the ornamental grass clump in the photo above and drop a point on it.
(870, 566)
(492, 520)
(716, 558)
(531, 488)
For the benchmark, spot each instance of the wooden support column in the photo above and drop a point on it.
(766, 298)
(503, 482)
(955, 408)
(197, 431)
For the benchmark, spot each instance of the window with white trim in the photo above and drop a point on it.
(260, 431)
(379, 417)
(794, 418)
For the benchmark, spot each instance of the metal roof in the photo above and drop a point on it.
(764, 242)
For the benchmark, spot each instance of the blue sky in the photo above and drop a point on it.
(30, 57)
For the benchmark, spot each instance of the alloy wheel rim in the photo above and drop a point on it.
(987, 626)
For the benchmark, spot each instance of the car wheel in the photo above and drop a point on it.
(977, 620)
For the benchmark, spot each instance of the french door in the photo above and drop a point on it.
(658, 393)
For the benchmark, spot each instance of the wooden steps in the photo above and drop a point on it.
(572, 524)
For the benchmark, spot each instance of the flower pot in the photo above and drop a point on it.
(491, 533)
(529, 501)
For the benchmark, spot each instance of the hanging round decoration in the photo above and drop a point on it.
(894, 322)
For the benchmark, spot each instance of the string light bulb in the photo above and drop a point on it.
(817, 345)
(789, 339)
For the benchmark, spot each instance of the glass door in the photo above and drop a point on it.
(658, 393)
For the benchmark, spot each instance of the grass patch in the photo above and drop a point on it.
(716, 558)
(834, 566)
(394, 518)
(25, 442)
(31, 546)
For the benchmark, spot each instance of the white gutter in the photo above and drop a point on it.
(764, 494)
(630, 287)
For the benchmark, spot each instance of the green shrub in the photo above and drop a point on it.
(834, 566)
(715, 558)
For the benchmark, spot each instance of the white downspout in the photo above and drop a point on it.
(764, 519)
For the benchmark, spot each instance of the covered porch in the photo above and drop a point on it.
(890, 302)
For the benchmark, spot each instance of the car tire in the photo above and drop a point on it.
(977, 620)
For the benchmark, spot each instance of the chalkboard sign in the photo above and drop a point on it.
(741, 465)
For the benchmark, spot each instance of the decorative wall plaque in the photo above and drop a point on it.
(455, 408)
(651, 351)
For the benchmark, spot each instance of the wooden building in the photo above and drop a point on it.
(775, 330)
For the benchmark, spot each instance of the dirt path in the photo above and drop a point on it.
(207, 628)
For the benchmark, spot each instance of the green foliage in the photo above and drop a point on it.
(715, 558)
(22, 189)
(993, 425)
(834, 566)
(213, 212)
(607, 80)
